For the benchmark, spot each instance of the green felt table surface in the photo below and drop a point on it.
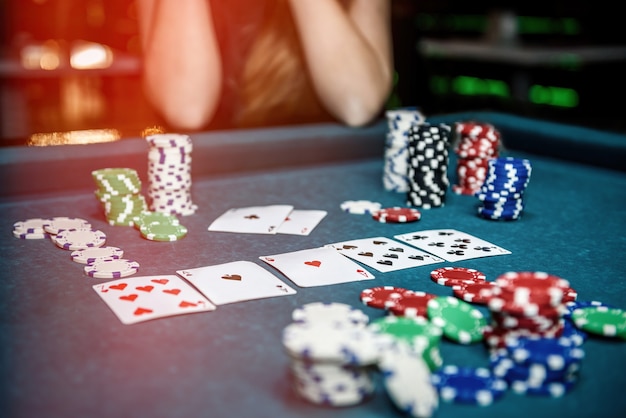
(63, 353)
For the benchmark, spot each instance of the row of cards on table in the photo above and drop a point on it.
(137, 299)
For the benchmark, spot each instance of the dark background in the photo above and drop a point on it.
(36, 101)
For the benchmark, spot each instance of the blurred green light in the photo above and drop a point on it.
(553, 96)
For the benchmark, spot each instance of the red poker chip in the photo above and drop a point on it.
(532, 287)
(382, 296)
(397, 215)
(412, 304)
(479, 292)
(456, 276)
(510, 306)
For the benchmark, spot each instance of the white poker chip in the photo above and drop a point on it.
(78, 239)
(31, 226)
(360, 207)
(54, 225)
(333, 313)
(407, 380)
(326, 342)
(111, 268)
(89, 255)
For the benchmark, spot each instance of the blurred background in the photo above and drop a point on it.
(74, 65)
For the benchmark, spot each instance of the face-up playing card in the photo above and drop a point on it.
(139, 299)
(452, 245)
(317, 267)
(384, 254)
(235, 282)
(301, 222)
(252, 220)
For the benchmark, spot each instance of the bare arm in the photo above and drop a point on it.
(183, 70)
(349, 55)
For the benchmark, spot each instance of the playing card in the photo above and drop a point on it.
(384, 254)
(452, 245)
(317, 267)
(253, 219)
(301, 222)
(235, 282)
(139, 299)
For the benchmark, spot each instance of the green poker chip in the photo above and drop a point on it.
(601, 320)
(163, 232)
(458, 320)
(150, 218)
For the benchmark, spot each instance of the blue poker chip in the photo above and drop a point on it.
(503, 366)
(469, 385)
(549, 389)
(554, 353)
(577, 304)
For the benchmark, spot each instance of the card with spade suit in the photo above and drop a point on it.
(317, 267)
(138, 299)
(452, 245)
(252, 220)
(384, 254)
(236, 281)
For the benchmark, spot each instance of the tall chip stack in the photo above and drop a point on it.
(502, 192)
(474, 145)
(169, 174)
(427, 172)
(396, 147)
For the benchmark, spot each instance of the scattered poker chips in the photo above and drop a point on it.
(360, 207)
(119, 193)
(32, 228)
(397, 215)
(459, 321)
(412, 303)
(54, 225)
(79, 238)
(455, 276)
(399, 121)
(475, 144)
(111, 268)
(382, 297)
(468, 385)
(428, 165)
(502, 192)
(169, 174)
(91, 254)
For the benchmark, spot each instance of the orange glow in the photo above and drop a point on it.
(45, 56)
(89, 136)
(90, 55)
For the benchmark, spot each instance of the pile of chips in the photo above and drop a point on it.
(428, 165)
(334, 352)
(399, 121)
(87, 245)
(119, 192)
(169, 174)
(502, 192)
(475, 144)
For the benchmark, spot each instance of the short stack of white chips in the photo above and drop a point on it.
(396, 147)
(169, 174)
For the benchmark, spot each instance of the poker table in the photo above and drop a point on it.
(63, 353)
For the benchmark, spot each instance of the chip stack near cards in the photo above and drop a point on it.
(169, 174)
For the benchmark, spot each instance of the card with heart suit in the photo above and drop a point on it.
(252, 220)
(317, 267)
(384, 254)
(452, 245)
(138, 299)
(301, 222)
(235, 282)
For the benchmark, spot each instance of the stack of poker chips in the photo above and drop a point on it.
(428, 165)
(530, 346)
(169, 174)
(501, 193)
(332, 352)
(396, 147)
(475, 144)
(119, 192)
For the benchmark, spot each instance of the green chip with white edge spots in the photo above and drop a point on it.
(163, 232)
(601, 320)
(459, 320)
(147, 218)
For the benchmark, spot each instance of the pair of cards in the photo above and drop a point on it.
(273, 219)
(138, 299)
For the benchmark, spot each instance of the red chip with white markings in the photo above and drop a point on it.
(456, 276)
(397, 215)
(412, 304)
(479, 292)
(382, 296)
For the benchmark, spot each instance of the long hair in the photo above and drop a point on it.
(275, 86)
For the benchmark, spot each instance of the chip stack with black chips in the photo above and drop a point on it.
(428, 165)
